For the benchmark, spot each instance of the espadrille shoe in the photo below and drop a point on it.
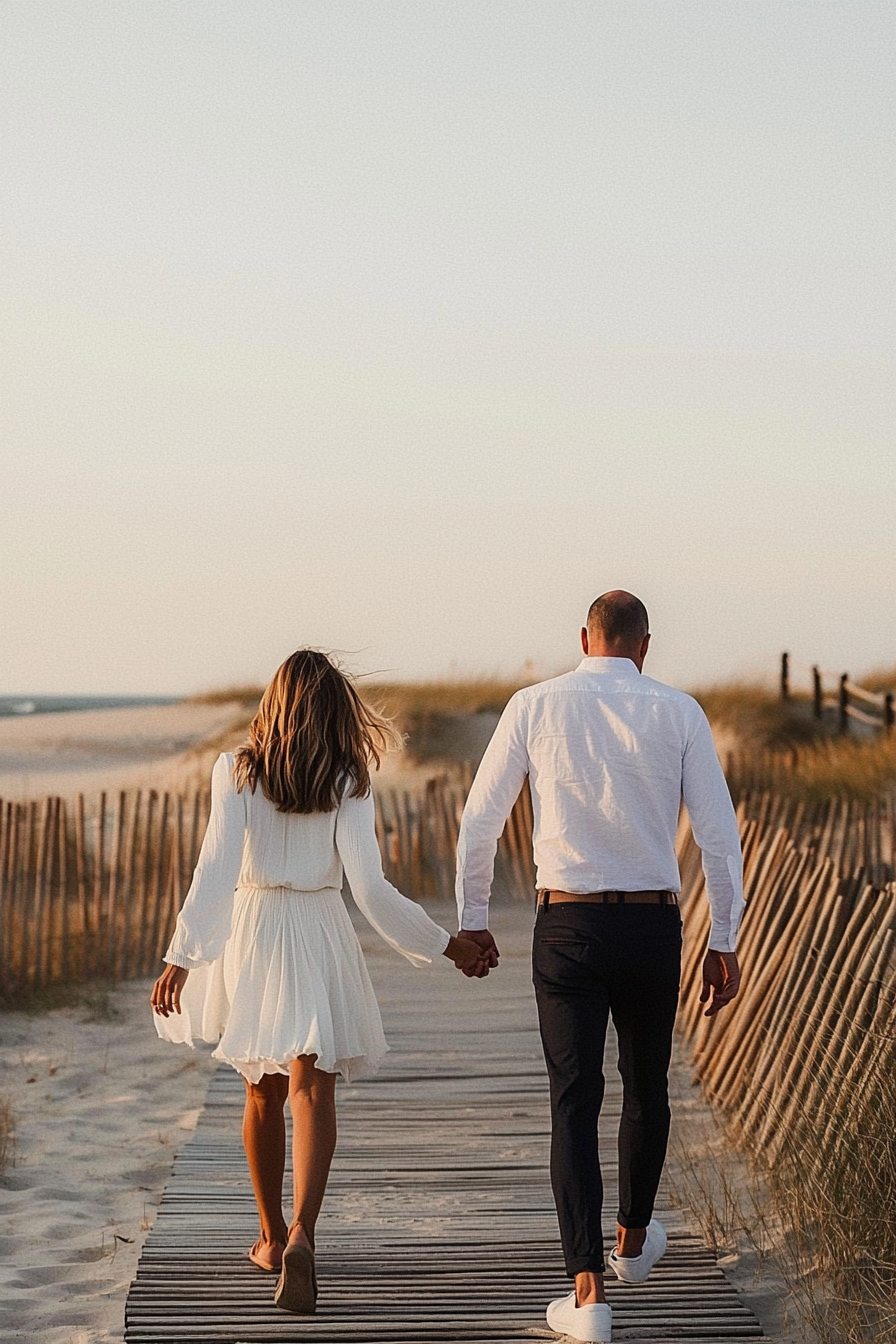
(592, 1324)
(297, 1289)
(635, 1268)
(257, 1258)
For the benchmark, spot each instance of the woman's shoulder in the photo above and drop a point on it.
(222, 773)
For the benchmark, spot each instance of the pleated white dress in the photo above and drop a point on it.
(276, 970)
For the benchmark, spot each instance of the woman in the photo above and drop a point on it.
(264, 958)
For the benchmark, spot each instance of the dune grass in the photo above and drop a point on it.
(781, 746)
(479, 696)
(758, 715)
(882, 679)
(839, 1252)
(226, 695)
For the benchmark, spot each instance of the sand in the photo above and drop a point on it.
(86, 751)
(100, 1107)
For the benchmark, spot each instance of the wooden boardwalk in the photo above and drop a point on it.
(438, 1223)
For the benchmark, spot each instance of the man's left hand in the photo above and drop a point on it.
(721, 980)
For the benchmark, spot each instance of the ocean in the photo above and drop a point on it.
(18, 706)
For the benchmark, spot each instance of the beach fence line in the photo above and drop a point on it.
(854, 703)
(803, 1063)
(855, 833)
(90, 888)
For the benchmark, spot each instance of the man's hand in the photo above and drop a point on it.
(487, 946)
(166, 991)
(465, 954)
(721, 980)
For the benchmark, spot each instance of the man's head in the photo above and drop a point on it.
(617, 628)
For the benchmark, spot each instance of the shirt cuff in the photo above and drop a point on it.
(178, 959)
(722, 942)
(475, 919)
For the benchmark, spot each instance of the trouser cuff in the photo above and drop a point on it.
(585, 1264)
(630, 1222)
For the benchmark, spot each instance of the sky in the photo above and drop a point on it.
(406, 329)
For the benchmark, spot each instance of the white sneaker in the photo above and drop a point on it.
(593, 1323)
(635, 1268)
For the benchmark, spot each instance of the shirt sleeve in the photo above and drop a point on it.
(714, 823)
(203, 925)
(403, 924)
(501, 774)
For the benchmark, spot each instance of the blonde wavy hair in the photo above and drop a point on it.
(313, 738)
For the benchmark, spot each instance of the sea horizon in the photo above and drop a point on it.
(26, 706)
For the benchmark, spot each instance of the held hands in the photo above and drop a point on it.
(721, 980)
(464, 953)
(487, 954)
(165, 997)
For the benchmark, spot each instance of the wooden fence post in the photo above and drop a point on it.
(844, 703)
(889, 712)
(785, 676)
(817, 694)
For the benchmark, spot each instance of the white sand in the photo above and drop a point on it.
(86, 751)
(101, 1107)
(169, 747)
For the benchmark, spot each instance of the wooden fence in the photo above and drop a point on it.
(802, 1058)
(851, 702)
(90, 889)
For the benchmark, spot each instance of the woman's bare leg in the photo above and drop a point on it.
(264, 1138)
(312, 1100)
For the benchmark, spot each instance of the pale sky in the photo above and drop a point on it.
(405, 329)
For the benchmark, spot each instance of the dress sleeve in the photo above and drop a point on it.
(402, 923)
(203, 925)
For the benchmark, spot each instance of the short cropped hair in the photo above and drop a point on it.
(620, 618)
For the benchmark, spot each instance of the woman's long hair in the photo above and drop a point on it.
(312, 739)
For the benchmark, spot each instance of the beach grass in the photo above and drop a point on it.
(881, 680)
(758, 715)
(226, 695)
(92, 997)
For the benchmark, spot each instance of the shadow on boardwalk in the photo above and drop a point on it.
(438, 1222)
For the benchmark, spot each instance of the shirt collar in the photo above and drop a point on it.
(616, 667)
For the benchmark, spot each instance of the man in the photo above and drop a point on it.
(609, 754)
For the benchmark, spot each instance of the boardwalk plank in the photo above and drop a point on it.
(438, 1224)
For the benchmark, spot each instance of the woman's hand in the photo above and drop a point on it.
(165, 997)
(464, 953)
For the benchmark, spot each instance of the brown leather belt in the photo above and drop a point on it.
(548, 897)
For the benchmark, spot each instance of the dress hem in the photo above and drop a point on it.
(351, 1068)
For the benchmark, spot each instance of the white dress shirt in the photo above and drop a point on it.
(610, 754)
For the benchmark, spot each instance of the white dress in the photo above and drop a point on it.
(276, 970)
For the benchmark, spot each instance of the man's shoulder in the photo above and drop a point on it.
(527, 696)
(671, 693)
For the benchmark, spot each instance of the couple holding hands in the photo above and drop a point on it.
(264, 959)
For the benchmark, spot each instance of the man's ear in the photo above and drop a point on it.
(645, 642)
(584, 641)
